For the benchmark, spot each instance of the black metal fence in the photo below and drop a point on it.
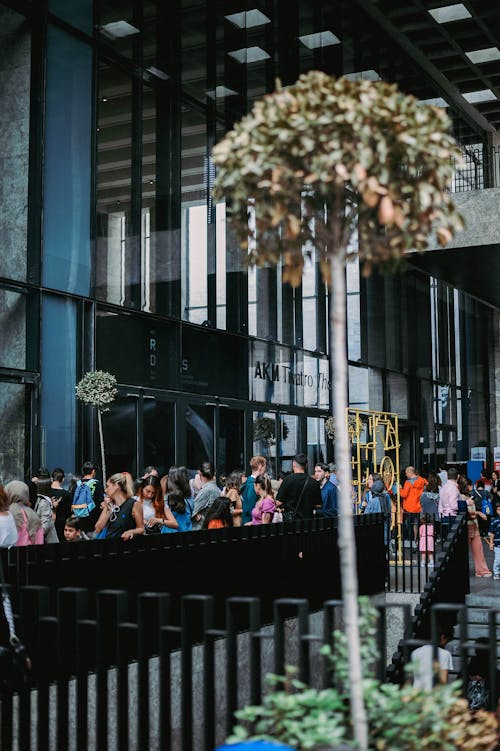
(151, 670)
(479, 168)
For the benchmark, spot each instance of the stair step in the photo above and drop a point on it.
(479, 615)
(482, 601)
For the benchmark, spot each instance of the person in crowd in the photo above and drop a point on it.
(442, 474)
(262, 512)
(378, 501)
(28, 524)
(299, 495)
(45, 508)
(248, 493)
(149, 495)
(8, 529)
(232, 493)
(475, 540)
(426, 541)
(42, 473)
(72, 530)
(479, 681)
(449, 496)
(89, 477)
(422, 662)
(61, 500)
(483, 503)
(429, 500)
(494, 542)
(411, 491)
(333, 474)
(195, 485)
(328, 491)
(177, 504)
(121, 515)
(150, 470)
(218, 515)
(207, 495)
(495, 488)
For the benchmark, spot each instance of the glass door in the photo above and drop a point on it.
(120, 430)
(15, 436)
(214, 433)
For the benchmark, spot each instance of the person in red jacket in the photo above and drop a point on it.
(410, 493)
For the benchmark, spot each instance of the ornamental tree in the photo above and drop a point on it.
(316, 164)
(98, 388)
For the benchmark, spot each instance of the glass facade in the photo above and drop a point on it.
(114, 255)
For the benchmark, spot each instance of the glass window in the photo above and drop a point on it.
(290, 440)
(13, 328)
(194, 235)
(14, 408)
(264, 432)
(159, 434)
(67, 164)
(310, 300)
(58, 376)
(78, 13)
(353, 310)
(358, 388)
(200, 444)
(397, 389)
(316, 442)
(117, 258)
(231, 440)
(15, 70)
(120, 435)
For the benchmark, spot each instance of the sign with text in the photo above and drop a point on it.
(280, 376)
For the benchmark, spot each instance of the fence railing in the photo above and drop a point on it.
(179, 694)
(479, 169)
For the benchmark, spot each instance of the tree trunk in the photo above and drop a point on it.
(101, 441)
(347, 548)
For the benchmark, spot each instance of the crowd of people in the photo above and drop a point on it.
(53, 508)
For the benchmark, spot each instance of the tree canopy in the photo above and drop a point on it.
(377, 159)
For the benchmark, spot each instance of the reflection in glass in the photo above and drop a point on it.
(158, 447)
(290, 440)
(120, 436)
(231, 440)
(14, 406)
(264, 431)
(15, 70)
(316, 442)
(58, 376)
(67, 164)
(117, 248)
(199, 436)
(13, 328)
(353, 310)
(194, 236)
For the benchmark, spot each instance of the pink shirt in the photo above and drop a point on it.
(449, 496)
(265, 507)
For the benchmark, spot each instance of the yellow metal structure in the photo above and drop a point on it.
(375, 445)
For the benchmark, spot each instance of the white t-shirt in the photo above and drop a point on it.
(8, 530)
(421, 662)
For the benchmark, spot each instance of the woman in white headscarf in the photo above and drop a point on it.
(28, 523)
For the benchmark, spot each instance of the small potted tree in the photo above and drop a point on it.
(98, 388)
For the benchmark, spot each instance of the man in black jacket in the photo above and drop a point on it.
(299, 493)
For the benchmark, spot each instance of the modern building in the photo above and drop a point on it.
(114, 256)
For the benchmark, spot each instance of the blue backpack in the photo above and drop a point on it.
(83, 501)
(487, 507)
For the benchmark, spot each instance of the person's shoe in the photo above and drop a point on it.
(497, 577)
(431, 564)
(486, 576)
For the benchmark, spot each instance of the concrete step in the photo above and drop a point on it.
(479, 615)
(482, 601)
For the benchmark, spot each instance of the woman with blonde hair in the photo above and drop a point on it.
(121, 514)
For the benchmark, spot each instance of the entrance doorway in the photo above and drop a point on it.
(214, 433)
(16, 435)
(139, 431)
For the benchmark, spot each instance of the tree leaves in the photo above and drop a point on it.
(319, 145)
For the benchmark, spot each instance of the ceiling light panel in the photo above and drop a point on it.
(435, 101)
(119, 29)
(248, 19)
(363, 75)
(483, 56)
(449, 13)
(220, 92)
(476, 97)
(319, 39)
(249, 55)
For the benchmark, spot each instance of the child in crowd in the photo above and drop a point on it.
(72, 531)
(494, 542)
(426, 542)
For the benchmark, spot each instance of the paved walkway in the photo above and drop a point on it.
(479, 585)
